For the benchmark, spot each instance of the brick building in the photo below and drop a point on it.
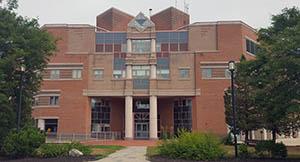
(140, 76)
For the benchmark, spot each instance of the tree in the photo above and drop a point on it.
(278, 80)
(272, 81)
(247, 115)
(21, 42)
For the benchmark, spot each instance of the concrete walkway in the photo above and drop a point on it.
(129, 154)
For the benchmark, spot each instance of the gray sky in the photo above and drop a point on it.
(256, 13)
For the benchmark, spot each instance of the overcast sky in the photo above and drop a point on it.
(256, 13)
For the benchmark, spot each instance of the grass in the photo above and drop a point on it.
(103, 151)
(293, 152)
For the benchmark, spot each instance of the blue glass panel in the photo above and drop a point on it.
(183, 37)
(162, 37)
(100, 38)
(174, 37)
(163, 63)
(119, 64)
(120, 38)
(109, 38)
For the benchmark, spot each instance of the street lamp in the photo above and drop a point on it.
(231, 68)
(22, 70)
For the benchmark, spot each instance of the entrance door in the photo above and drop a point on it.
(141, 125)
(141, 130)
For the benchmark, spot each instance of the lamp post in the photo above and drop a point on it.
(22, 70)
(231, 67)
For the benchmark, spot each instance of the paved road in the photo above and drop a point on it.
(129, 154)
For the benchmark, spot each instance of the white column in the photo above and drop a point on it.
(153, 117)
(129, 48)
(128, 72)
(265, 134)
(153, 46)
(128, 118)
(153, 72)
(253, 135)
(298, 134)
(41, 124)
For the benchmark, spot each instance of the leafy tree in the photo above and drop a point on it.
(22, 42)
(278, 79)
(247, 113)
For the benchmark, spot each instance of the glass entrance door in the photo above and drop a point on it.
(141, 130)
(141, 125)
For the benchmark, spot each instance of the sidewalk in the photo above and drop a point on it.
(129, 154)
(123, 142)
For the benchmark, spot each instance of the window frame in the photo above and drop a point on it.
(182, 76)
(100, 75)
(54, 74)
(54, 100)
(77, 74)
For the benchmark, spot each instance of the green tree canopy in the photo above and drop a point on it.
(273, 78)
(22, 42)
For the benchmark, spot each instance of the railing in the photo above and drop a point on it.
(69, 137)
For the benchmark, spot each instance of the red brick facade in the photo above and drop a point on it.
(81, 74)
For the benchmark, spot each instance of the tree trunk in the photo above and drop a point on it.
(274, 135)
(246, 136)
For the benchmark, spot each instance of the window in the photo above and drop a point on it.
(162, 70)
(54, 74)
(251, 46)
(163, 73)
(141, 46)
(182, 114)
(124, 48)
(51, 125)
(118, 74)
(142, 104)
(206, 73)
(184, 73)
(140, 71)
(98, 74)
(76, 74)
(54, 100)
(100, 115)
(158, 47)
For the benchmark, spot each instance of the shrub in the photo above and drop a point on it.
(23, 143)
(192, 146)
(279, 150)
(55, 150)
(243, 151)
(271, 149)
(228, 140)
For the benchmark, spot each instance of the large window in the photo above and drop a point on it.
(251, 46)
(162, 69)
(54, 74)
(140, 71)
(172, 41)
(76, 74)
(119, 68)
(54, 100)
(51, 125)
(183, 114)
(141, 46)
(110, 42)
(100, 115)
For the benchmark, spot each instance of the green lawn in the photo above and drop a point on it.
(103, 151)
(293, 152)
